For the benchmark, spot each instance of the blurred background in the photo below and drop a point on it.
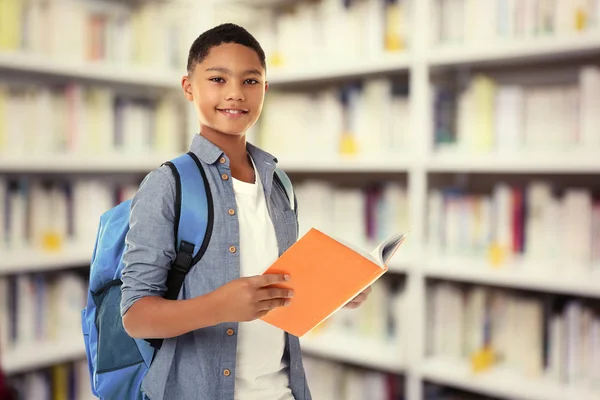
(473, 123)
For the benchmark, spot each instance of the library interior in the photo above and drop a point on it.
(388, 116)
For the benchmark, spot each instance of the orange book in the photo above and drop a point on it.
(325, 274)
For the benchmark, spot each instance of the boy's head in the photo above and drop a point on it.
(226, 79)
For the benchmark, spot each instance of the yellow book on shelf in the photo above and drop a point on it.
(484, 90)
(348, 144)
(3, 117)
(393, 36)
(60, 382)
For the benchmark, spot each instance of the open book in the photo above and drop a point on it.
(325, 274)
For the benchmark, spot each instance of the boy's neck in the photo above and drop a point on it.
(235, 148)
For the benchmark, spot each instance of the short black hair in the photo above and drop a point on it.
(224, 33)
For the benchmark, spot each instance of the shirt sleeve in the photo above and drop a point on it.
(150, 243)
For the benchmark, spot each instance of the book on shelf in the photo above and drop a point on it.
(86, 121)
(38, 309)
(331, 381)
(368, 119)
(510, 118)
(518, 224)
(325, 274)
(379, 210)
(148, 34)
(381, 319)
(61, 382)
(332, 30)
(458, 22)
(536, 336)
(50, 216)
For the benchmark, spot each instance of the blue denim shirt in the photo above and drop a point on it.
(192, 366)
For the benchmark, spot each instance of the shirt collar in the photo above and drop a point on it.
(209, 152)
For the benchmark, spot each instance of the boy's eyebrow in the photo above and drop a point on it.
(228, 72)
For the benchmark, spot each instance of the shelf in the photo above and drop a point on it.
(401, 265)
(521, 277)
(38, 356)
(358, 351)
(38, 261)
(501, 383)
(96, 72)
(345, 165)
(511, 51)
(82, 164)
(341, 69)
(519, 163)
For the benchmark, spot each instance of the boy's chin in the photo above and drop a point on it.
(231, 131)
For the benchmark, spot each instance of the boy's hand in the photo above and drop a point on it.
(358, 300)
(247, 299)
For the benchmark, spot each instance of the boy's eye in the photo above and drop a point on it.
(217, 80)
(251, 81)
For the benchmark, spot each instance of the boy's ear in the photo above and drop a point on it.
(186, 85)
(266, 86)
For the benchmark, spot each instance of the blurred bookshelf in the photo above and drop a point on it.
(499, 383)
(477, 131)
(43, 355)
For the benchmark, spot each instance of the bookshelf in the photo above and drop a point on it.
(500, 383)
(109, 163)
(418, 169)
(511, 51)
(14, 262)
(340, 70)
(354, 350)
(101, 73)
(513, 276)
(43, 355)
(576, 162)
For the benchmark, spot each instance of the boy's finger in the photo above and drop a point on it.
(274, 303)
(271, 279)
(274, 293)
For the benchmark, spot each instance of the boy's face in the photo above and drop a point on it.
(227, 89)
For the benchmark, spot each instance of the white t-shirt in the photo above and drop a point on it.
(261, 373)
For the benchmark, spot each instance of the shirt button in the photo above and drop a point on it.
(232, 249)
(231, 211)
(226, 372)
(222, 160)
(225, 177)
(229, 332)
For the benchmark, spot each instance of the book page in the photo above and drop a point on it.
(382, 253)
(386, 249)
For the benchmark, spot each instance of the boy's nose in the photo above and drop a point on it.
(234, 93)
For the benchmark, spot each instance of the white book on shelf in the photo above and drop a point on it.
(503, 232)
(589, 118)
(595, 353)
(4, 315)
(556, 351)
(577, 229)
(17, 212)
(349, 201)
(475, 303)
(25, 311)
(508, 119)
(332, 117)
(3, 214)
(573, 314)
(539, 195)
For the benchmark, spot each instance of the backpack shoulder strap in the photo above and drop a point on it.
(286, 183)
(193, 219)
(194, 216)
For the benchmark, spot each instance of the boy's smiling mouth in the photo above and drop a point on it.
(232, 112)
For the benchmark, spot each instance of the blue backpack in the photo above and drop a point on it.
(117, 362)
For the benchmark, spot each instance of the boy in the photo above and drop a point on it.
(215, 346)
